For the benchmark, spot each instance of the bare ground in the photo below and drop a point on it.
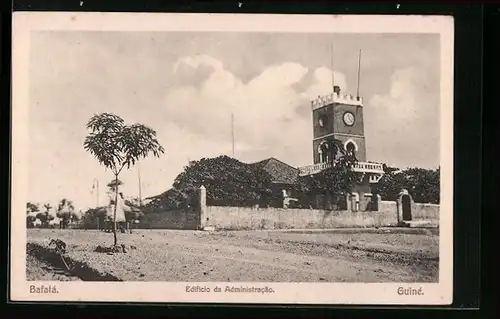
(37, 270)
(265, 256)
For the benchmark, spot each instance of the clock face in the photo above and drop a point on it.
(348, 118)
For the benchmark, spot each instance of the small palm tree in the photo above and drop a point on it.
(47, 207)
(117, 146)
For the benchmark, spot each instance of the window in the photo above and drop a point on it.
(322, 120)
(323, 152)
(351, 148)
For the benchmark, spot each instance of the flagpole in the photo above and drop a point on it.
(333, 81)
(333, 72)
(359, 72)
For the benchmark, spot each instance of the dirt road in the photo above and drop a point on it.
(265, 256)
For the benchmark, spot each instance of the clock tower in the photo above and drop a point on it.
(338, 116)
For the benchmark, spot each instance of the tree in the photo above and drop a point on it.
(422, 184)
(117, 146)
(31, 208)
(94, 217)
(389, 169)
(133, 202)
(172, 199)
(390, 185)
(337, 180)
(34, 213)
(45, 218)
(30, 221)
(227, 180)
(66, 212)
(132, 210)
(132, 214)
(47, 207)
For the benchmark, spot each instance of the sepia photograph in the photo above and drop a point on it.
(232, 158)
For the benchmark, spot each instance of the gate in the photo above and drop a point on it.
(406, 205)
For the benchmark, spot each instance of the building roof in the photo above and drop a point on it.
(168, 192)
(280, 172)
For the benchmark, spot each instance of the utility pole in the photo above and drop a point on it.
(140, 186)
(97, 194)
(95, 184)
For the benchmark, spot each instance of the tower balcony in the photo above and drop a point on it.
(336, 98)
(313, 169)
(374, 170)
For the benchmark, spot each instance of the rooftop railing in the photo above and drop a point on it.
(361, 167)
(336, 98)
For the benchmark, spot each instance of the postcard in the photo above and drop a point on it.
(232, 158)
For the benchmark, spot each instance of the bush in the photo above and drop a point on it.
(422, 184)
(228, 181)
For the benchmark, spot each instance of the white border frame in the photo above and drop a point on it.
(286, 293)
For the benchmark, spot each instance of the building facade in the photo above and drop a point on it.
(339, 116)
(284, 179)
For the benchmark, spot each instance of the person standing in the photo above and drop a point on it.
(108, 219)
(120, 212)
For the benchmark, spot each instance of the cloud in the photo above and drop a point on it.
(271, 111)
(407, 111)
(401, 102)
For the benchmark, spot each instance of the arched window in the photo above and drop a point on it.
(323, 152)
(350, 147)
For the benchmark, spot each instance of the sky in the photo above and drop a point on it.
(185, 85)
